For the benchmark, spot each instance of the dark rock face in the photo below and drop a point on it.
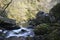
(45, 17)
(8, 24)
(42, 17)
(55, 11)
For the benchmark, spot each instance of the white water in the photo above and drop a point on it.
(18, 33)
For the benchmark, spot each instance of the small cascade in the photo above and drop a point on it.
(22, 32)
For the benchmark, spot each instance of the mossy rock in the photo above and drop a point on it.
(55, 11)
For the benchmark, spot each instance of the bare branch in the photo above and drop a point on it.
(4, 7)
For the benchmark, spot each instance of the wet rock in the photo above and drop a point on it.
(22, 30)
(30, 27)
(8, 24)
(42, 17)
(7, 20)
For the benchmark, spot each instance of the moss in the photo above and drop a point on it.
(56, 11)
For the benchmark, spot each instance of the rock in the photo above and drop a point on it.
(8, 24)
(22, 30)
(7, 20)
(30, 27)
(55, 11)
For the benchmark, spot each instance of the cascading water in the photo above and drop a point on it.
(22, 32)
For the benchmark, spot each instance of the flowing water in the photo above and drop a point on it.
(22, 32)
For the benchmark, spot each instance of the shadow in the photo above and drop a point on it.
(55, 11)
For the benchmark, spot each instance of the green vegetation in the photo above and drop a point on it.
(50, 31)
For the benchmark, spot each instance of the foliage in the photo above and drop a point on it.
(49, 30)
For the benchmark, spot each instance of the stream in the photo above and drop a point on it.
(22, 32)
